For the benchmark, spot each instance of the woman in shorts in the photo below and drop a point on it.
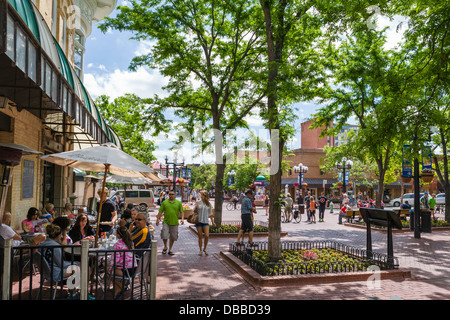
(204, 210)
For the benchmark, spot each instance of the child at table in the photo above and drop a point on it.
(121, 260)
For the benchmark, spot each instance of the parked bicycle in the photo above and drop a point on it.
(230, 206)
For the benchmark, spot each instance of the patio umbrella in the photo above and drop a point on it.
(107, 158)
(115, 179)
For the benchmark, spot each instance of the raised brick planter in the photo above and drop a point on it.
(295, 280)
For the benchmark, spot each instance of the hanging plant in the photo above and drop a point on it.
(427, 175)
(406, 179)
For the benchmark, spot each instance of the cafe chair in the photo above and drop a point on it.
(44, 270)
(141, 272)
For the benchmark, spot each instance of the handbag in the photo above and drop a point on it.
(193, 218)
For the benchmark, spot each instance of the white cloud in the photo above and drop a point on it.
(143, 83)
(144, 47)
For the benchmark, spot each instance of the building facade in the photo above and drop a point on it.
(43, 102)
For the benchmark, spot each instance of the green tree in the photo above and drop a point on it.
(131, 117)
(427, 48)
(366, 85)
(210, 51)
(202, 177)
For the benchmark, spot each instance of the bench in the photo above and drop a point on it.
(403, 213)
(352, 215)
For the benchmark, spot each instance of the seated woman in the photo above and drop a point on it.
(68, 211)
(48, 213)
(122, 259)
(53, 256)
(81, 230)
(27, 224)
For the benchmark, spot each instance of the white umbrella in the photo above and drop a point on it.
(127, 180)
(106, 157)
(95, 159)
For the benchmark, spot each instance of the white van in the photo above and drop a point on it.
(140, 197)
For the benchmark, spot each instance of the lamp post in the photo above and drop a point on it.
(175, 165)
(345, 165)
(300, 170)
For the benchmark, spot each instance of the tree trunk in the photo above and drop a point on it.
(274, 53)
(218, 200)
(220, 168)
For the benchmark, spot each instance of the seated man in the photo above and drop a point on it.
(8, 233)
(140, 233)
(405, 205)
(342, 213)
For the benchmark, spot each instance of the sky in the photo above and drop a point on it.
(106, 61)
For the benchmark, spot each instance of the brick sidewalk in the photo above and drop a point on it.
(187, 276)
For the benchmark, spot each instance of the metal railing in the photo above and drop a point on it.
(360, 262)
(34, 272)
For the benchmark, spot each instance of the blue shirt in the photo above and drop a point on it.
(246, 206)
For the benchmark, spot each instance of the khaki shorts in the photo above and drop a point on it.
(169, 232)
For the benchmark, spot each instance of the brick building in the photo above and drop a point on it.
(43, 102)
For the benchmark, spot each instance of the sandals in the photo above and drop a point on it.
(206, 252)
(164, 251)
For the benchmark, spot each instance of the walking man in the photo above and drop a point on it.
(322, 204)
(170, 209)
(307, 202)
(247, 211)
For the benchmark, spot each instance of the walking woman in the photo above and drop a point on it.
(204, 210)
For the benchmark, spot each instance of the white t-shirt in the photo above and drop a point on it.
(8, 233)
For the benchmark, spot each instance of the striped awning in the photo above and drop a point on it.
(86, 135)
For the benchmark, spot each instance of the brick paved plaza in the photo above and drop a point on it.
(187, 276)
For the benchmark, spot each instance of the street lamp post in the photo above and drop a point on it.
(300, 170)
(345, 165)
(175, 165)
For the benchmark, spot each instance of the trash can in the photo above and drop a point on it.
(425, 221)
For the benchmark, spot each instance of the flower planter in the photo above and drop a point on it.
(427, 177)
(406, 179)
(187, 213)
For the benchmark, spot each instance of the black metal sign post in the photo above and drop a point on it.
(383, 218)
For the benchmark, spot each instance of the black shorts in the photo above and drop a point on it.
(247, 222)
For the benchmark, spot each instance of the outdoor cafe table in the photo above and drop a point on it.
(28, 235)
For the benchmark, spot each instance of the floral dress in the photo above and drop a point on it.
(118, 257)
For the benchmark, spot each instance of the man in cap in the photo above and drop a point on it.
(424, 202)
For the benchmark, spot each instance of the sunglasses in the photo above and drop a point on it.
(171, 194)
(138, 219)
